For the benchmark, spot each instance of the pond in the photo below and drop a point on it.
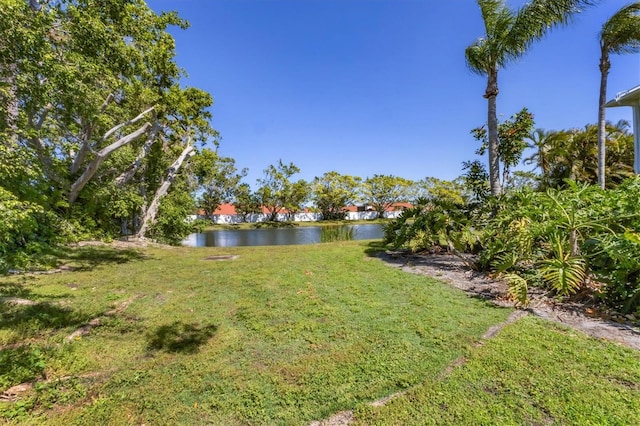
(279, 236)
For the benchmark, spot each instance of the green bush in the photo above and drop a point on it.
(26, 232)
(439, 223)
(170, 226)
(557, 239)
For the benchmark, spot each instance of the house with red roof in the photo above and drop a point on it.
(227, 214)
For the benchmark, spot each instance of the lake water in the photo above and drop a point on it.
(274, 236)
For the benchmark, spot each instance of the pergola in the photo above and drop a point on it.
(631, 98)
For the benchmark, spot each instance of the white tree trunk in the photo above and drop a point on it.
(93, 166)
(152, 210)
(126, 176)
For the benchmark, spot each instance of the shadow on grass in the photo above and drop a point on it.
(88, 258)
(180, 337)
(32, 320)
(16, 287)
(374, 248)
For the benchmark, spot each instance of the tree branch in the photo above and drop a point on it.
(126, 176)
(92, 168)
(150, 214)
(120, 126)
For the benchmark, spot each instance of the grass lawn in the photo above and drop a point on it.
(287, 335)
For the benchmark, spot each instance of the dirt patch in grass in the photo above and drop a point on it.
(455, 271)
(222, 257)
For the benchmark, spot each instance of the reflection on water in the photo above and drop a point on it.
(276, 236)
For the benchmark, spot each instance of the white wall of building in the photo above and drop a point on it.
(223, 219)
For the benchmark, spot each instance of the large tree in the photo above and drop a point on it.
(333, 192)
(246, 202)
(277, 192)
(90, 95)
(620, 34)
(383, 191)
(508, 35)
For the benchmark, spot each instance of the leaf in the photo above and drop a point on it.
(518, 289)
(631, 236)
(564, 275)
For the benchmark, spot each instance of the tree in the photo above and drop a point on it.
(217, 178)
(508, 35)
(246, 202)
(188, 123)
(383, 191)
(511, 144)
(431, 188)
(540, 157)
(572, 154)
(90, 97)
(333, 192)
(620, 34)
(277, 191)
(476, 180)
(297, 198)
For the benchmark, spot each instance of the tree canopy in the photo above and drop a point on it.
(95, 125)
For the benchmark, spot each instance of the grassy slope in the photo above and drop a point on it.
(282, 335)
(532, 373)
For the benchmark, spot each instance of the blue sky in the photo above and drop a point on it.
(368, 87)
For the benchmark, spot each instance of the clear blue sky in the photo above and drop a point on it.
(377, 86)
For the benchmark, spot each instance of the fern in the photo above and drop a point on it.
(505, 261)
(564, 273)
(518, 289)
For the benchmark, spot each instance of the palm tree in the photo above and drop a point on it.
(509, 34)
(619, 35)
(540, 158)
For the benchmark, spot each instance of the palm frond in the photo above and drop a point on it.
(621, 32)
(477, 57)
(563, 273)
(537, 17)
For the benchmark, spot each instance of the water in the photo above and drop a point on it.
(274, 236)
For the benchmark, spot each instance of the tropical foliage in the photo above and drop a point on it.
(508, 35)
(578, 239)
(620, 34)
(97, 132)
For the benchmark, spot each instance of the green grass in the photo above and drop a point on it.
(280, 335)
(533, 373)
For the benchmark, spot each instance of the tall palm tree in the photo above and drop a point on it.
(508, 35)
(619, 35)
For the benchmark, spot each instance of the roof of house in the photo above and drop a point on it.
(627, 98)
(230, 209)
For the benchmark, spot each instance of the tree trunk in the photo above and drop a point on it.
(573, 242)
(93, 166)
(152, 210)
(133, 168)
(492, 126)
(602, 123)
